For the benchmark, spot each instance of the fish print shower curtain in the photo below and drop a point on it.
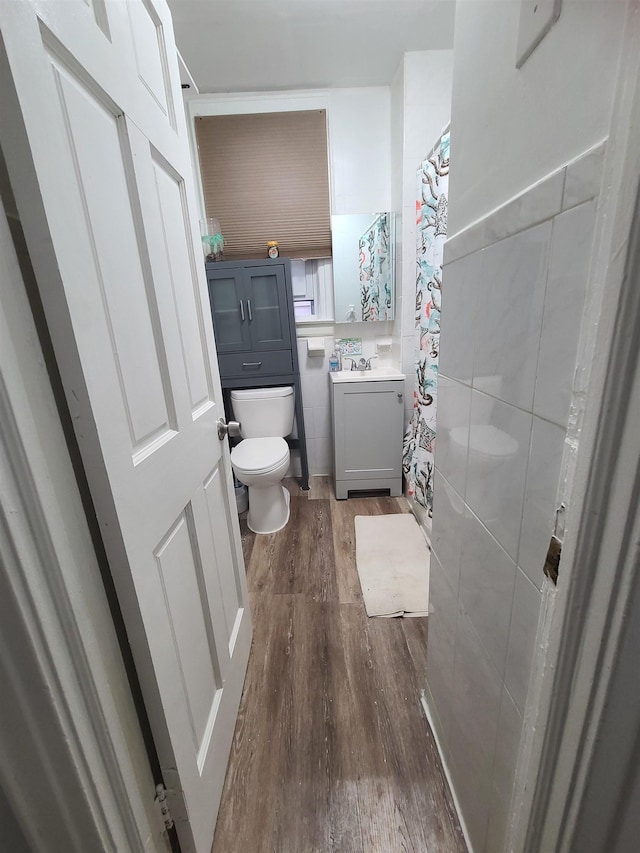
(431, 234)
(374, 263)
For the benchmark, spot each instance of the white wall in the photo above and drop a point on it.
(397, 146)
(426, 94)
(360, 160)
(511, 128)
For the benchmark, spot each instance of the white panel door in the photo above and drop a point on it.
(94, 135)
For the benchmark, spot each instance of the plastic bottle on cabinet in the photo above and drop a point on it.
(338, 352)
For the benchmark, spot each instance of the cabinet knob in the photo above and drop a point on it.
(400, 395)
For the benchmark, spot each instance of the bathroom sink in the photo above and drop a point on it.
(376, 374)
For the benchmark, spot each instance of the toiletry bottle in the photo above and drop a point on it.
(334, 364)
(338, 352)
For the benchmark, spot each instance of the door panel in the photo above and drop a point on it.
(149, 49)
(229, 309)
(100, 165)
(182, 578)
(97, 144)
(172, 252)
(266, 309)
(230, 583)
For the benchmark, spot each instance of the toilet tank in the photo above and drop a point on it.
(263, 412)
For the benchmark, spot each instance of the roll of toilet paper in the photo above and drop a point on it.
(315, 346)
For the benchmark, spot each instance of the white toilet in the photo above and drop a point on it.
(261, 459)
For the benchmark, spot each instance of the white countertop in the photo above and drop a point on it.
(376, 374)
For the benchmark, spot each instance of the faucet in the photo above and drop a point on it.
(362, 364)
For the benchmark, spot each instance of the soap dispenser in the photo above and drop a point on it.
(338, 352)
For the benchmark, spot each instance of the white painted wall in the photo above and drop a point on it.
(397, 145)
(360, 159)
(426, 97)
(511, 128)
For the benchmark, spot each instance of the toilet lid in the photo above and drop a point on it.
(259, 455)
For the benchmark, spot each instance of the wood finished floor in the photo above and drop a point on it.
(331, 750)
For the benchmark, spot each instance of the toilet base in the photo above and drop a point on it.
(268, 508)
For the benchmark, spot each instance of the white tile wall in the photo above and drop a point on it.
(499, 437)
(522, 634)
(454, 405)
(487, 577)
(460, 300)
(441, 645)
(564, 301)
(545, 457)
(513, 293)
(472, 738)
(504, 768)
(448, 520)
(512, 285)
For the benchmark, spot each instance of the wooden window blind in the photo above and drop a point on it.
(265, 177)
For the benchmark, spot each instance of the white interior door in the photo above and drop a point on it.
(94, 135)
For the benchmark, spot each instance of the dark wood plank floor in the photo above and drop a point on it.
(331, 750)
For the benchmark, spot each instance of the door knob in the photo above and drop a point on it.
(232, 429)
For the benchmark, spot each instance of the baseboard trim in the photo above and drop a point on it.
(456, 803)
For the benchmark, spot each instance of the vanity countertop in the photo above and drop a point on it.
(376, 374)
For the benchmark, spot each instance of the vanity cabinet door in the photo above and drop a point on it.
(368, 422)
(267, 307)
(229, 309)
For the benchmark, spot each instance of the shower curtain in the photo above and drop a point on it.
(431, 234)
(375, 270)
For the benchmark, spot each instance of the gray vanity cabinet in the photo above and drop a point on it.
(367, 436)
(254, 323)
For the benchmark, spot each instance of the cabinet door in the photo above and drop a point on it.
(229, 309)
(267, 311)
(368, 430)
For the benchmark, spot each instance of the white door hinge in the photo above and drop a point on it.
(165, 811)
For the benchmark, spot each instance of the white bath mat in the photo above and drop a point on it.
(392, 557)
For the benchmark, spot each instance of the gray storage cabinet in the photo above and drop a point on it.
(254, 322)
(367, 436)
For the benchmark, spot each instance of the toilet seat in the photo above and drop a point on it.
(259, 455)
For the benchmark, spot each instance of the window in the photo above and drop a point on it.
(312, 282)
(265, 177)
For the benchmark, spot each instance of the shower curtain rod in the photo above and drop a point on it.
(437, 142)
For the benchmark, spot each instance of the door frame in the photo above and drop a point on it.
(74, 766)
(582, 622)
(92, 770)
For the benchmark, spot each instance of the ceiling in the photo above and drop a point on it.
(263, 45)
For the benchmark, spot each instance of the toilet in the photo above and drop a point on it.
(261, 459)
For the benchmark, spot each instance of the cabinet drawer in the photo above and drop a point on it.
(255, 363)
